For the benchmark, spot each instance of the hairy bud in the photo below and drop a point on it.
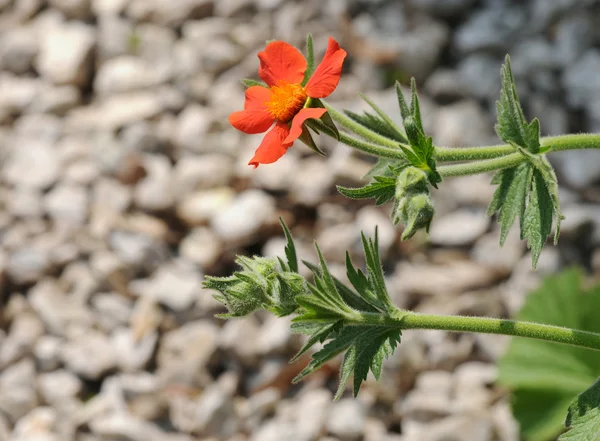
(262, 283)
(413, 207)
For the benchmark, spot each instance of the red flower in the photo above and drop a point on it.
(283, 102)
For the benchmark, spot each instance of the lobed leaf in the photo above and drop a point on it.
(382, 189)
(583, 418)
(544, 376)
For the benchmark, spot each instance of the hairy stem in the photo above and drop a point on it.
(359, 129)
(413, 320)
(473, 168)
(366, 147)
(552, 143)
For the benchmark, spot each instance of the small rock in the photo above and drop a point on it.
(243, 219)
(490, 29)
(67, 203)
(34, 164)
(25, 202)
(192, 124)
(66, 54)
(185, 352)
(89, 354)
(47, 352)
(347, 419)
(18, 50)
(17, 389)
(153, 192)
(115, 112)
(201, 246)
(460, 228)
(133, 353)
(24, 331)
(38, 425)
(74, 9)
(200, 172)
(212, 412)
(126, 427)
(175, 285)
(202, 206)
(452, 119)
(579, 169)
(28, 264)
(58, 386)
(126, 74)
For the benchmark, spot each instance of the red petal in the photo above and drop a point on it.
(327, 74)
(303, 115)
(281, 61)
(272, 147)
(254, 118)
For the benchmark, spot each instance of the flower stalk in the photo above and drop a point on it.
(412, 320)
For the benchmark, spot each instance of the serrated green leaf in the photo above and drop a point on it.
(351, 298)
(319, 335)
(387, 167)
(420, 153)
(394, 131)
(376, 124)
(342, 342)
(290, 247)
(583, 418)
(537, 219)
(365, 354)
(382, 189)
(248, 82)
(544, 376)
(512, 126)
(510, 197)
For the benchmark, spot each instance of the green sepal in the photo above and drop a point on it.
(326, 118)
(310, 59)
(307, 139)
(413, 205)
(248, 82)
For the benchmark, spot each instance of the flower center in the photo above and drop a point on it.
(286, 100)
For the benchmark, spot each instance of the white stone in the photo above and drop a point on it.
(65, 54)
(244, 217)
(201, 206)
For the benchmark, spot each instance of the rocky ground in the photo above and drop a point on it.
(121, 185)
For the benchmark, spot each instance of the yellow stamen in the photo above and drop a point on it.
(286, 100)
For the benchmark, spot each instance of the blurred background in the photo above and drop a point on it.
(122, 185)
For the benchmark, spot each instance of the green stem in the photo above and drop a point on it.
(413, 320)
(552, 143)
(366, 147)
(359, 129)
(473, 168)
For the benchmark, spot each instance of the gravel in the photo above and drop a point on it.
(122, 184)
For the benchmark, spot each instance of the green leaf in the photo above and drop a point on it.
(350, 297)
(583, 418)
(537, 219)
(544, 376)
(290, 248)
(512, 126)
(366, 353)
(421, 149)
(310, 59)
(248, 82)
(528, 191)
(382, 189)
(324, 303)
(394, 132)
(387, 167)
(318, 335)
(307, 139)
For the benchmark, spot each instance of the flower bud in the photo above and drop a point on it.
(262, 283)
(413, 207)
